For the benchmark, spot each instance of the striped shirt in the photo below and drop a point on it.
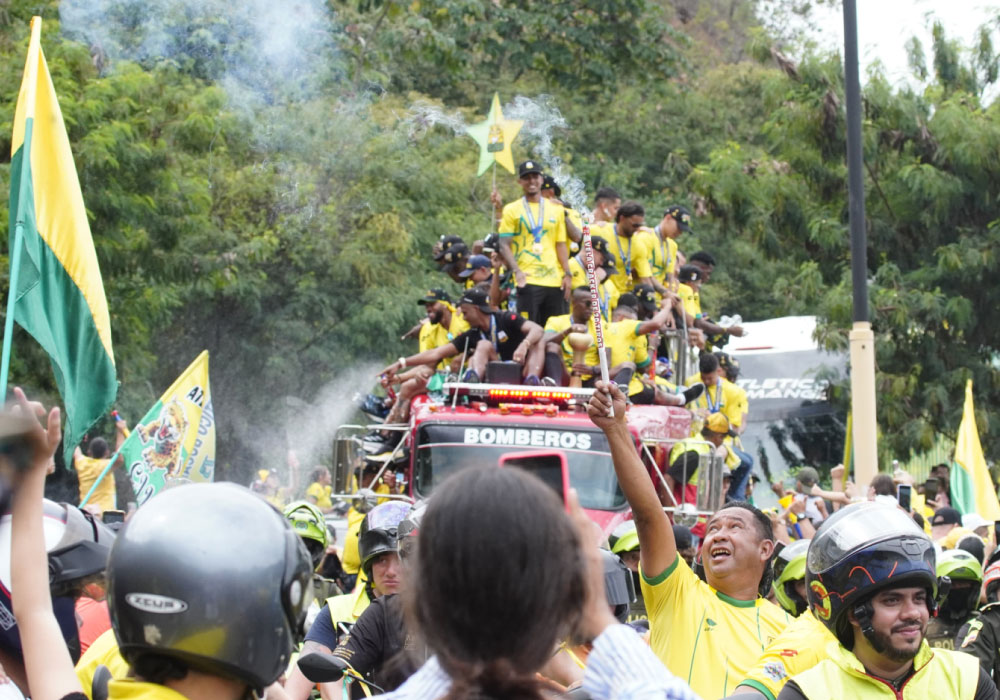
(620, 667)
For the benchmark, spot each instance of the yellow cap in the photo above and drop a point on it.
(717, 423)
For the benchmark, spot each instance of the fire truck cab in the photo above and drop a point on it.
(476, 424)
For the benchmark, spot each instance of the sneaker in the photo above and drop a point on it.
(375, 442)
(470, 377)
(531, 380)
(693, 392)
(549, 381)
(372, 405)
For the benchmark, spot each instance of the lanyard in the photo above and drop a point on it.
(663, 250)
(493, 332)
(716, 406)
(626, 259)
(533, 226)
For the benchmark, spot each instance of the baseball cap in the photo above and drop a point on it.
(970, 521)
(478, 298)
(451, 248)
(528, 167)
(433, 295)
(629, 299)
(681, 215)
(808, 476)
(601, 245)
(491, 244)
(946, 516)
(474, 263)
(728, 362)
(548, 183)
(682, 536)
(646, 296)
(717, 423)
(689, 273)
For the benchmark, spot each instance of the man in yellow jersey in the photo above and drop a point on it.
(89, 467)
(533, 246)
(871, 580)
(558, 351)
(319, 489)
(444, 324)
(721, 395)
(628, 220)
(708, 634)
(626, 342)
(656, 249)
(604, 266)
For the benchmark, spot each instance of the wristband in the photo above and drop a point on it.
(402, 362)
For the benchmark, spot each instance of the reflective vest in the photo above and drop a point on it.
(347, 608)
(940, 674)
(689, 445)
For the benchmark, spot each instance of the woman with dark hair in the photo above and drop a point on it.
(501, 577)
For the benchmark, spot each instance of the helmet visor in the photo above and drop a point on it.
(857, 526)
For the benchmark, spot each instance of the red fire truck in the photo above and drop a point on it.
(477, 424)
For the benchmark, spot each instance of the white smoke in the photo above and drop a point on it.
(423, 116)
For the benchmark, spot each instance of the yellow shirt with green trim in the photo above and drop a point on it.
(557, 324)
(538, 262)
(607, 292)
(434, 335)
(691, 300)
(321, 493)
(703, 636)
(798, 648)
(627, 345)
(87, 471)
(654, 257)
(624, 251)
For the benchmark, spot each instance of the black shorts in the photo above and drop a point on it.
(539, 303)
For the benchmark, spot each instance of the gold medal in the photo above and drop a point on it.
(537, 248)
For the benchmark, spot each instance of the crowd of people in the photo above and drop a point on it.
(494, 588)
(523, 305)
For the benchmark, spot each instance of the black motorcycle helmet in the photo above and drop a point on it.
(858, 551)
(379, 532)
(617, 585)
(214, 577)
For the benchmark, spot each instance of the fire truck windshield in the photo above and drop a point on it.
(444, 449)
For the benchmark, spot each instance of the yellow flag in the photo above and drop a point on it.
(972, 487)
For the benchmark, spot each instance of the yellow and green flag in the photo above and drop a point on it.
(972, 488)
(175, 440)
(58, 295)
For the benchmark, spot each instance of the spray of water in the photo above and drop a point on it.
(542, 123)
(423, 116)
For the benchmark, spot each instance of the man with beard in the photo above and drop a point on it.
(444, 323)
(871, 580)
(629, 218)
(708, 634)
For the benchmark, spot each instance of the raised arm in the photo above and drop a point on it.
(46, 657)
(658, 550)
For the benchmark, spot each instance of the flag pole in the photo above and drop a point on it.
(111, 463)
(8, 326)
(595, 305)
(31, 82)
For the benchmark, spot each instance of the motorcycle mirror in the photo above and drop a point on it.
(322, 668)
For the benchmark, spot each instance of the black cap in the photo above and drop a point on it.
(689, 273)
(528, 167)
(478, 298)
(433, 295)
(727, 362)
(451, 248)
(491, 244)
(601, 245)
(646, 296)
(548, 183)
(629, 299)
(474, 263)
(946, 516)
(682, 536)
(681, 215)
